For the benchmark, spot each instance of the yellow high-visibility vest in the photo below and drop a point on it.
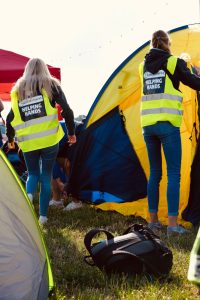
(41, 128)
(160, 101)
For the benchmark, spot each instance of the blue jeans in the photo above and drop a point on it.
(40, 165)
(167, 135)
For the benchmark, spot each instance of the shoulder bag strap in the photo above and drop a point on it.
(90, 235)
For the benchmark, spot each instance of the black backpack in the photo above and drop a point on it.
(137, 251)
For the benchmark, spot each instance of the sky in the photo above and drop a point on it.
(87, 39)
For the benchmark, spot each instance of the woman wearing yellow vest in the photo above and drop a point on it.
(33, 119)
(161, 117)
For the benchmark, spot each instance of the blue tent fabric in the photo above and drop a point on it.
(94, 157)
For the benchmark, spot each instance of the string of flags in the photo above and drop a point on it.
(80, 54)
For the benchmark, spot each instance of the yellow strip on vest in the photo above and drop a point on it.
(37, 135)
(161, 96)
(36, 121)
(162, 110)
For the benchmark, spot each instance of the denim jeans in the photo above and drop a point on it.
(40, 165)
(167, 135)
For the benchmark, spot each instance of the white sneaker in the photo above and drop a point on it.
(73, 205)
(42, 220)
(53, 202)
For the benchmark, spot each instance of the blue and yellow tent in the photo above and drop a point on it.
(110, 167)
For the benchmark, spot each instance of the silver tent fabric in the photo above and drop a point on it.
(23, 265)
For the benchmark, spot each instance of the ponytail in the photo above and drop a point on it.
(161, 40)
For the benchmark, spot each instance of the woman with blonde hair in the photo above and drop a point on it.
(161, 117)
(33, 119)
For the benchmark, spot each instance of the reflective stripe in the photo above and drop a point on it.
(161, 96)
(37, 135)
(162, 110)
(36, 121)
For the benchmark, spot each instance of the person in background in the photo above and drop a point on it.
(62, 169)
(74, 201)
(16, 158)
(33, 119)
(161, 117)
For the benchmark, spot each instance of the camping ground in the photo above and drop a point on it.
(74, 279)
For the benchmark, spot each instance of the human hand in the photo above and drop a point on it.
(71, 139)
(11, 145)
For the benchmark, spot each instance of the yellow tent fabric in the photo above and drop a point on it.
(123, 90)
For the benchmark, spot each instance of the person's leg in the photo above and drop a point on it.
(48, 157)
(171, 142)
(57, 184)
(67, 167)
(56, 193)
(154, 154)
(74, 201)
(65, 164)
(33, 168)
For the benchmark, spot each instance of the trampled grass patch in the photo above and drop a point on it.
(64, 236)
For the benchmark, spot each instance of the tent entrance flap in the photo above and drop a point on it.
(103, 147)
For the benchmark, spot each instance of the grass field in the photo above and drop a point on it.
(74, 279)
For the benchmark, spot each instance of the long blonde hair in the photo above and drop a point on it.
(161, 40)
(36, 77)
